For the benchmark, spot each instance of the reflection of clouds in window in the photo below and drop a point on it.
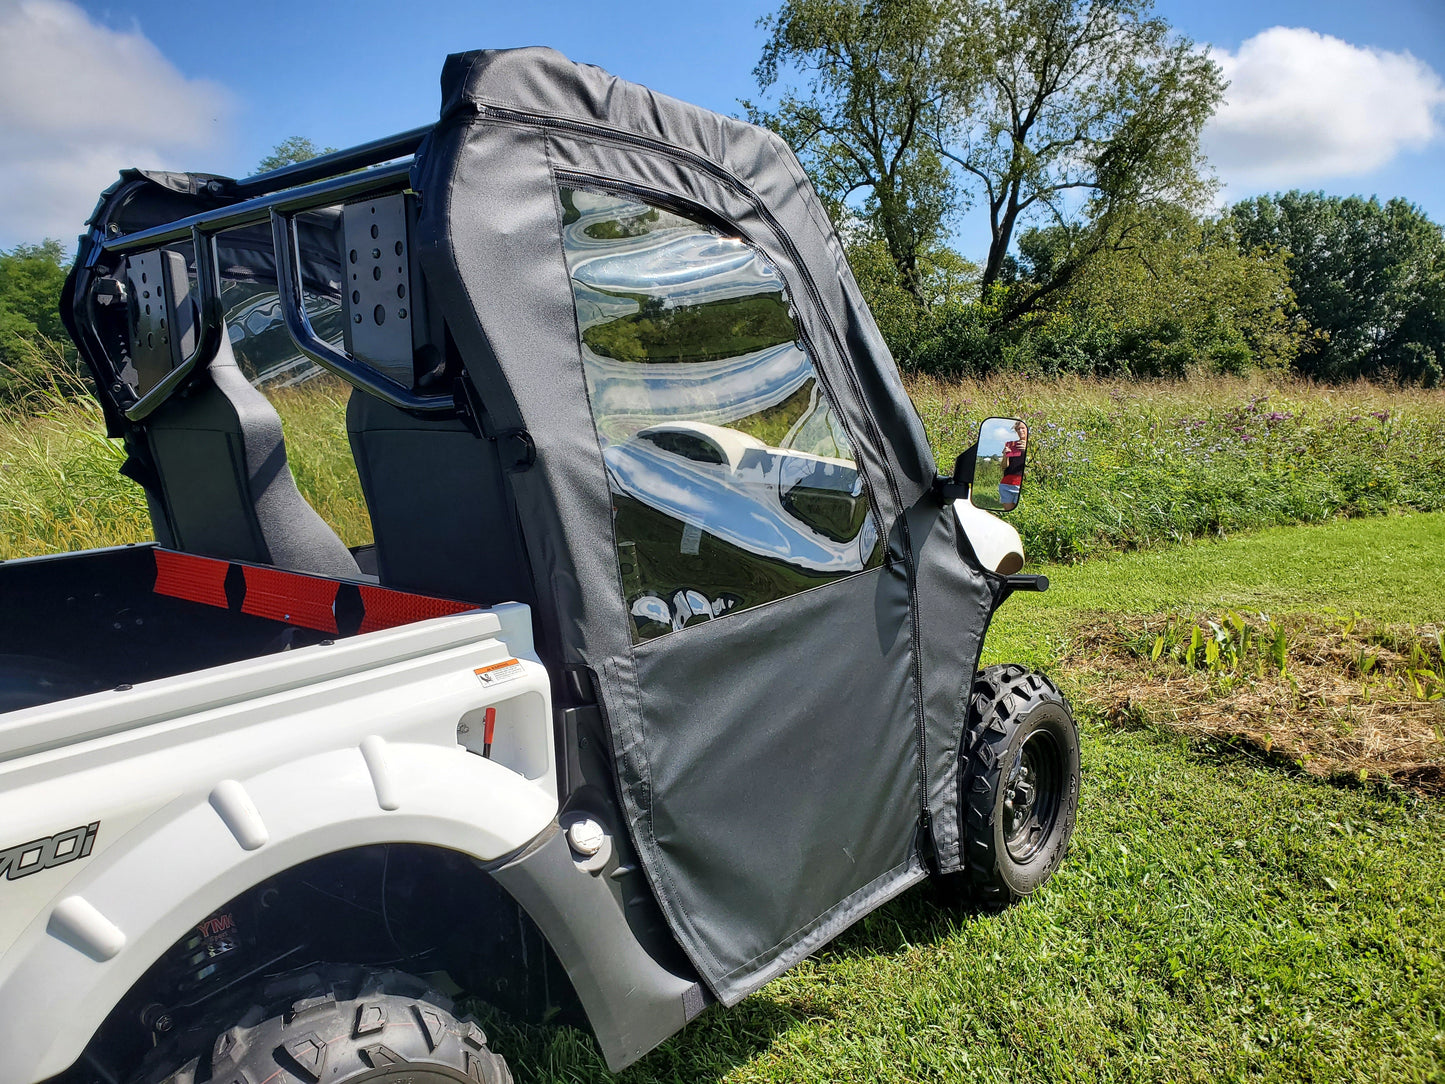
(627, 397)
(599, 308)
(744, 507)
(684, 269)
(733, 480)
(817, 429)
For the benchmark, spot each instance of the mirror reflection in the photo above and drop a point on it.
(998, 471)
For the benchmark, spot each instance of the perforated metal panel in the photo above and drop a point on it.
(379, 304)
(162, 321)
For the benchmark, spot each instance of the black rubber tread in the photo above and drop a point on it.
(334, 1025)
(1006, 703)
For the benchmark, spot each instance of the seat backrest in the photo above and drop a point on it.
(440, 512)
(226, 488)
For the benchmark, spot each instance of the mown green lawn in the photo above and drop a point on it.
(1216, 919)
(1390, 568)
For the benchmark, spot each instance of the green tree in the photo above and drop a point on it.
(878, 75)
(945, 281)
(291, 150)
(1181, 294)
(33, 341)
(1370, 278)
(1070, 112)
(1089, 118)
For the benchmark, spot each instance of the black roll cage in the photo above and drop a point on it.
(275, 197)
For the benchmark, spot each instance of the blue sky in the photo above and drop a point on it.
(1347, 96)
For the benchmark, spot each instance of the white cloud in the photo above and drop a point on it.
(79, 102)
(1303, 107)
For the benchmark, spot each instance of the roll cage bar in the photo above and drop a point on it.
(275, 197)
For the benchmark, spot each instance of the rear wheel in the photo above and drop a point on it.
(334, 1026)
(1018, 787)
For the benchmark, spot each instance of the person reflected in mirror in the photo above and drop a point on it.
(1014, 453)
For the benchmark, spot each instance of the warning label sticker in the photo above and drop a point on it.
(499, 672)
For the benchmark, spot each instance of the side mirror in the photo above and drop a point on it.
(991, 473)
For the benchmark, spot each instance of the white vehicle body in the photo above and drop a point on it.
(997, 544)
(205, 784)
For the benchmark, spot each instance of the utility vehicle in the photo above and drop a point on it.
(658, 669)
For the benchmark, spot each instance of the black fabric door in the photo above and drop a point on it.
(771, 762)
(728, 478)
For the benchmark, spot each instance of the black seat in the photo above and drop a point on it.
(439, 509)
(225, 486)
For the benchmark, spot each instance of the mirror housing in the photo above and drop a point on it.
(989, 475)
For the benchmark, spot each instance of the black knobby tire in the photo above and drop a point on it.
(1018, 787)
(333, 1026)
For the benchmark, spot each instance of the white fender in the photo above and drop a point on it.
(130, 816)
(123, 912)
(997, 545)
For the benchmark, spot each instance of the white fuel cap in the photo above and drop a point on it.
(586, 836)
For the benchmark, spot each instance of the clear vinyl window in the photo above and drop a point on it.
(733, 482)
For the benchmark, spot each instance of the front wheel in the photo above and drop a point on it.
(334, 1026)
(1018, 787)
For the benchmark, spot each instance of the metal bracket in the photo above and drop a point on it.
(160, 303)
(949, 489)
(380, 302)
(341, 362)
(170, 331)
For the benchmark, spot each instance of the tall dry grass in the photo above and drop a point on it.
(60, 486)
(1117, 464)
(1112, 463)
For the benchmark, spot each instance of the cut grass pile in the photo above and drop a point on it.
(1341, 699)
(1118, 465)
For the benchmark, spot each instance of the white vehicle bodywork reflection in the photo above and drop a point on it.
(743, 491)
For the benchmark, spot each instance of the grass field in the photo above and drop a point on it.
(1113, 465)
(1123, 465)
(1219, 917)
(1216, 919)
(61, 490)
(1390, 568)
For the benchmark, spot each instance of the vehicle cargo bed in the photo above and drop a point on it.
(79, 623)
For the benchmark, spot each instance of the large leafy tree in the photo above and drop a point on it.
(1068, 112)
(1183, 292)
(878, 75)
(1370, 278)
(1090, 114)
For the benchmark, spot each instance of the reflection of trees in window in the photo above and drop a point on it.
(803, 422)
(570, 214)
(616, 229)
(772, 426)
(733, 481)
(707, 332)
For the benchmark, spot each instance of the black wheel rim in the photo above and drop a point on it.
(1031, 795)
